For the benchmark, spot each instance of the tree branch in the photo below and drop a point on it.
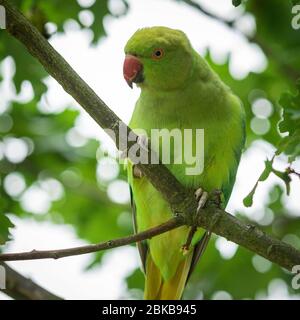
(180, 199)
(21, 288)
(249, 236)
(56, 254)
(213, 219)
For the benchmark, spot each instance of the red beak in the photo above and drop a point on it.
(132, 69)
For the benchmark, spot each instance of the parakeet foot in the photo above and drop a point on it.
(137, 173)
(186, 247)
(201, 197)
(217, 197)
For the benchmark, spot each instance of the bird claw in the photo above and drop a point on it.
(217, 197)
(137, 173)
(185, 249)
(201, 197)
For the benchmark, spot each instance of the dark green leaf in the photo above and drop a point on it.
(5, 224)
(236, 3)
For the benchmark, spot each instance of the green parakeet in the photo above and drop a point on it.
(179, 90)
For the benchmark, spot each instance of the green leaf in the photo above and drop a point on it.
(294, 2)
(284, 176)
(248, 200)
(5, 224)
(100, 10)
(136, 280)
(236, 3)
(290, 124)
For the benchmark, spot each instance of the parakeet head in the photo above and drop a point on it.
(159, 58)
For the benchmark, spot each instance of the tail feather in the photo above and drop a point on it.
(153, 280)
(156, 288)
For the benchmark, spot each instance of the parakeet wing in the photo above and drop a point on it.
(142, 245)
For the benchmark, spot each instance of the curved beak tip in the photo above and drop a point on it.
(131, 69)
(129, 82)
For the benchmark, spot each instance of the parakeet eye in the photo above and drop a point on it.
(158, 54)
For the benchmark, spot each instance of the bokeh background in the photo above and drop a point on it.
(59, 182)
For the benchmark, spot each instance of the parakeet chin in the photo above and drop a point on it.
(179, 90)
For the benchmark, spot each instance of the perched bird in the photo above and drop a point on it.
(179, 90)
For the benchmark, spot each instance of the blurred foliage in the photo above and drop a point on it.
(68, 175)
(84, 203)
(282, 47)
(290, 124)
(5, 224)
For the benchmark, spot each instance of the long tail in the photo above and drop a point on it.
(156, 288)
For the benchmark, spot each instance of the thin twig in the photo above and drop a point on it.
(199, 7)
(293, 171)
(60, 253)
(224, 224)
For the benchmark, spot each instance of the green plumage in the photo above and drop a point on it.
(181, 91)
